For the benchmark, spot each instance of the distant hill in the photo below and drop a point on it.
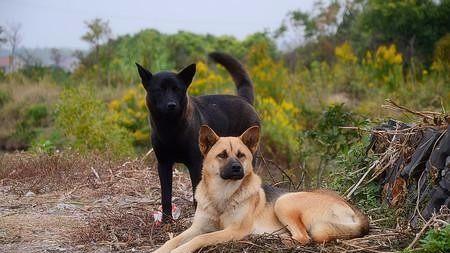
(43, 55)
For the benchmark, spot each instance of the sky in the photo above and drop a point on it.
(60, 23)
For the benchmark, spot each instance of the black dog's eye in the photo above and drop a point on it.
(223, 155)
(240, 155)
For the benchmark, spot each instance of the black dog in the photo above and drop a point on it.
(176, 117)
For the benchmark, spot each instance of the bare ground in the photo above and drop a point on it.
(76, 203)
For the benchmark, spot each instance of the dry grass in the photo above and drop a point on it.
(44, 173)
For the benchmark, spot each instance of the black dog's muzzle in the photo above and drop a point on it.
(233, 170)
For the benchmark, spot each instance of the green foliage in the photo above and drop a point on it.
(36, 73)
(85, 121)
(328, 133)
(436, 240)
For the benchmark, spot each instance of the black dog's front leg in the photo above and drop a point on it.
(165, 173)
(195, 173)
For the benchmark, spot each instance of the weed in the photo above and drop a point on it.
(436, 240)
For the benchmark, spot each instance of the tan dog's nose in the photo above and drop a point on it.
(236, 167)
(233, 170)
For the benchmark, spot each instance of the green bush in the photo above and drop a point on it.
(33, 120)
(85, 121)
(36, 114)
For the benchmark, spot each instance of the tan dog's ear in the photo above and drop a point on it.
(206, 139)
(251, 138)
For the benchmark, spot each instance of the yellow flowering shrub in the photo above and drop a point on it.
(269, 76)
(344, 53)
(280, 125)
(388, 56)
(385, 65)
(344, 72)
(130, 112)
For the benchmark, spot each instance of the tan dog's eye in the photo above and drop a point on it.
(240, 155)
(223, 155)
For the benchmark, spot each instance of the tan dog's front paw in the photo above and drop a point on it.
(288, 241)
(302, 239)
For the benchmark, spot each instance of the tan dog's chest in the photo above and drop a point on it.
(264, 219)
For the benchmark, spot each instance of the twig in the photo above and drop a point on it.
(392, 104)
(95, 173)
(147, 154)
(353, 188)
(362, 248)
(283, 172)
(268, 169)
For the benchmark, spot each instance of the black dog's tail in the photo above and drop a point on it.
(240, 77)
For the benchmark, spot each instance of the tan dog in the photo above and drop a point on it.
(232, 203)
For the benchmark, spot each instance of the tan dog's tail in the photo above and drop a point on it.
(240, 77)
(342, 229)
(362, 222)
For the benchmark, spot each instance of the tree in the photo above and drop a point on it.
(13, 38)
(98, 33)
(2, 38)
(323, 22)
(56, 56)
(314, 33)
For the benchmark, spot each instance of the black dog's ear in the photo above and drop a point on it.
(206, 139)
(187, 74)
(145, 75)
(251, 138)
